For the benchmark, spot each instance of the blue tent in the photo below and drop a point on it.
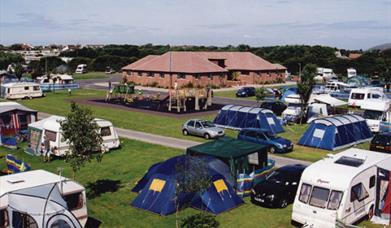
(237, 117)
(218, 198)
(333, 133)
(157, 189)
(288, 91)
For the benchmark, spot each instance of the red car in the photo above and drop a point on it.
(381, 142)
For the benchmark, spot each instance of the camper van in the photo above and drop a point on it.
(341, 189)
(376, 112)
(51, 129)
(325, 73)
(351, 72)
(20, 90)
(81, 69)
(359, 96)
(41, 199)
(335, 86)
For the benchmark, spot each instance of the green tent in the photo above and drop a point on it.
(240, 156)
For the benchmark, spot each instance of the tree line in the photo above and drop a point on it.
(291, 56)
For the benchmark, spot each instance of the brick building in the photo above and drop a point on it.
(203, 68)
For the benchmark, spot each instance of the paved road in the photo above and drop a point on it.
(179, 143)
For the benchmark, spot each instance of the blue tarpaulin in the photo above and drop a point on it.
(333, 133)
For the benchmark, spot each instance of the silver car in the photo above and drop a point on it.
(202, 128)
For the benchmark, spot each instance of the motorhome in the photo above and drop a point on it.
(20, 90)
(342, 189)
(376, 112)
(325, 73)
(81, 69)
(351, 72)
(41, 199)
(360, 96)
(50, 129)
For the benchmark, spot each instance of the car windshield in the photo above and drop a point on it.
(373, 115)
(270, 135)
(207, 124)
(275, 177)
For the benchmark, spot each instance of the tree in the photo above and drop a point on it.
(82, 132)
(18, 70)
(304, 86)
(192, 176)
(260, 94)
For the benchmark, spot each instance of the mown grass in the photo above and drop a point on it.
(90, 75)
(58, 103)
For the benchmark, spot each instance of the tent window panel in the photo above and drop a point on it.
(319, 133)
(23, 220)
(157, 185)
(60, 224)
(50, 135)
(23, 122)
(270, 121)
(220, 185)
(105, 131)
(74, 201)
(253, 159)
(4, 220)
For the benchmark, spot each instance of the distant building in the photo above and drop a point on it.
(203, 68)
(353, 56)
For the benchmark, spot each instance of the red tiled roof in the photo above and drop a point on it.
(199, 62)
(354, 55)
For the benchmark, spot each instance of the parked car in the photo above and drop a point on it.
(381, 142)
(264, 137)
(246, 92)
(276, 106)
(109, 70)
(202, 128)
(279, 187)
(376, 83)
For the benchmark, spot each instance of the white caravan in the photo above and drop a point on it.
(20, 90)
(325, 73)
(351, 72)
(340, 188)
(376, 112)
(359, 96)
(335, 86)
(81, 69)
(51, 129)
(41, 199)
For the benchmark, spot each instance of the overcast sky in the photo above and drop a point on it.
(351, 24)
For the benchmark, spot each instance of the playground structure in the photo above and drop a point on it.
(179, 98)
(182, 100)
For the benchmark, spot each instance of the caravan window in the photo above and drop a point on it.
(319, 197)
(373, 115)
(36, 88)
(4, 218)
(26, 88)
(358, 192)
(372, 181)
(105, 131)
(50, 135)
(23, 220)
(305, 193)
(74, 201)
(335, 200)
(358, 96)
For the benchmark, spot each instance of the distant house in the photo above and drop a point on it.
(353, 56)
(203, 68)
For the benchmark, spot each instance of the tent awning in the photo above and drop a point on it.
(227, 147)
(327, 99)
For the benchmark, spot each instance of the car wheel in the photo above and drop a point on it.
(283, 203)
(185, 132)
(370, 213)
(206, 136)
(272, 150)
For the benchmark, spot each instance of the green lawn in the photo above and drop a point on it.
(90, 75)
(58, 103)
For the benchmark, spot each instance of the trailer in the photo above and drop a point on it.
(20, 90)
(343, 189)
(41, 199)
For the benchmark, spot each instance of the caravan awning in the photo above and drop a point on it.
(327, 99)
(227, 147)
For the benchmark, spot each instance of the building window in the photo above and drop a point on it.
(74, 201)
(150, 74)
(180, 75)
(139, 74)
(162, 75)
(245, 72)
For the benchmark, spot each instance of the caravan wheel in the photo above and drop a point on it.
(370, 213)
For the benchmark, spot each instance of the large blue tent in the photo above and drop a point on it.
(333, 133)
(157, 189)
(237, 117)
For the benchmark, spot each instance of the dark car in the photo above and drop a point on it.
(279, 187)
(276, 106)
(381, 142)
(246, 92)
(263, 137)
(376, 83)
